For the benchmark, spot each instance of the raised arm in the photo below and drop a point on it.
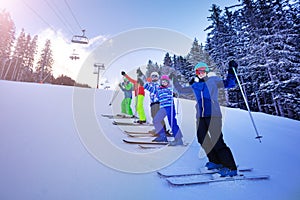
(180, 89)
(129, 78)
(150, 87)
(229, 82)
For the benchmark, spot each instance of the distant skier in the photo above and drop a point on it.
(167, 108)
(139, 97)
(209, 117)
(127, 88)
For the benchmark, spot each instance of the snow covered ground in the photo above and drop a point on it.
(50, 149)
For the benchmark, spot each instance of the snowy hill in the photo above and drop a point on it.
(50, 149)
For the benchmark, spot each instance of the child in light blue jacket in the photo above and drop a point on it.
(165, 97)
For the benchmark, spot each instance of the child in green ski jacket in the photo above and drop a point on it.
(127, 87)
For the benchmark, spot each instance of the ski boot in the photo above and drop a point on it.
(224, 172)
(140, 121)
(211, 166)
(176, 142)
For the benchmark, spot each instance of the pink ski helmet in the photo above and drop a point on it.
(165, 78)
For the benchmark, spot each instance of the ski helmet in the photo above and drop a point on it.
(201, 66)
(165, 78)
(154, 74)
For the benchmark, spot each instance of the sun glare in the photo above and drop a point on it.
(5, 4)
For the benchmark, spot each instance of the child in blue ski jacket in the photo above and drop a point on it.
(209, 116)
(165, 97)
(153, 85)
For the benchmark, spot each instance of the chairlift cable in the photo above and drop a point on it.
(39, 16)
(73, 14)
(57, 8)
(80, 39)
(57, 15)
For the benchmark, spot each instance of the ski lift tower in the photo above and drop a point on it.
(97, 68)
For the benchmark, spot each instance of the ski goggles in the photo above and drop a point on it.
(164, 81)
(200, 71)
(154, 76)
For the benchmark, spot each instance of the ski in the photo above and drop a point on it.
(140, 135)
(151, 146)
(140, 132)
(145, 133)
(118, 116)
(188, 172)
(199, 179)
(130, 124)
(144, 142)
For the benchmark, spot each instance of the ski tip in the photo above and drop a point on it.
(257, 177)
(149, 147)
(144, 142)
(185, 144)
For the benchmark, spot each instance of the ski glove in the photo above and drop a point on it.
(232, 64)
(123, 73)
(193, 80)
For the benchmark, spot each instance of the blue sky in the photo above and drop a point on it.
(109, 17)
(59, 20)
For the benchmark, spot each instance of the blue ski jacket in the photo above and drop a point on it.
(127, 89)
(206, 92)
(152, 87)
(164, 94)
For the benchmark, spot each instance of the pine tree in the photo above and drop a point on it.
(168, 66)
(215, 38)
(16, 60)
(44, 65)
(286, 56)
(151, 67)
(26, 69)
(183, 67)
(7, 32)
(168, 60)
(20, 67)
(196, 53)
(262, 36)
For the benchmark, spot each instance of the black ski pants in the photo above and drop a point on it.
(209, 135)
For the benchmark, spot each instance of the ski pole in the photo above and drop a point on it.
(177, 101)
(177, 97)
(114, 96)
(173, 106)
(246, 102)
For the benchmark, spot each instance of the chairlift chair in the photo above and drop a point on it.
(80, 39)
(74, 55)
